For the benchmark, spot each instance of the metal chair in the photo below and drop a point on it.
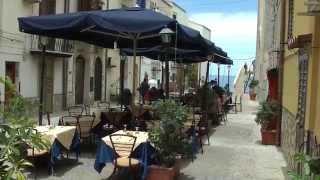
(123, 150)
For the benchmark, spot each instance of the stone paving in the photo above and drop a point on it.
(234, 153)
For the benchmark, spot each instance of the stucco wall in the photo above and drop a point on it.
(290, 84)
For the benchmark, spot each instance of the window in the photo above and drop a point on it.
(47, 7)
(153, 6)
(109, 61)
(290, 18)
(88, 5)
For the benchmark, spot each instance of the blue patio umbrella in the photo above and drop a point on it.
(174, 54)
(128, 27)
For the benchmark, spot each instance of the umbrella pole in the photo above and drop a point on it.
(228, 80)
(206, 87)
(207, 73)
(162, 75)
(167, 76)
(218, 74)
(134, 69)
(42, 83)
(121, 80)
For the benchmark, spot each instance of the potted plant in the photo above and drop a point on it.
(16, 130)
(267, 116)
(169, 140)
(252, 92)
(310, 167)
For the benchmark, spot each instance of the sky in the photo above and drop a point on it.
(233, 25)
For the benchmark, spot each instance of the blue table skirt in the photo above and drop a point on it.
(144, 153)
(57, 147)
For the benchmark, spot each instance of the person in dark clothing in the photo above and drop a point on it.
(161, 93)
(144, 88)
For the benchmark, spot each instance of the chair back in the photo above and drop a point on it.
(123, 147)
(85, 125)
(104, 104)
(75, 110)
(87, 109)
(69, 121)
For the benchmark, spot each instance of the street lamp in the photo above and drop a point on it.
(166, 37)
(43, 43)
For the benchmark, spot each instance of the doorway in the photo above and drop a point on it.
(79, 84)
(98, 80)
(11, 72)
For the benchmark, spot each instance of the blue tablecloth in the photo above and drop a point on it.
(105, 155)
(57, 147)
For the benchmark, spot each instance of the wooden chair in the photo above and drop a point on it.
(104, 104)
(233, 105)
(87, 109)
(33, 155)
(203, 128)
(123, 150)
(85, 125)
(75, 110)
(68, 121)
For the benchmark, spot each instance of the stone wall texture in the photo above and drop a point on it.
(288, 137)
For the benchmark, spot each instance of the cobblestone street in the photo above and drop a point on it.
(235, 152)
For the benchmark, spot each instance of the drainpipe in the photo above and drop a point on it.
(281, 64)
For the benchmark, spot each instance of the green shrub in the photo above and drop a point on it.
(267, 111)
(168, 139)
(16, 131)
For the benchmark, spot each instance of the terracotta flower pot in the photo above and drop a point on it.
(162, 173)
(253, 96)
(268, 137)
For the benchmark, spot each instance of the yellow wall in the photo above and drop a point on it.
(290, 83)
(315, 87)
(303, 25)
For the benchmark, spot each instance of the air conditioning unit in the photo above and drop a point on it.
(313, 5)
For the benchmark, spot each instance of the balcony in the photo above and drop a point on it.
(55, 47)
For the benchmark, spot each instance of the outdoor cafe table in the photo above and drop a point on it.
(60, 137)
(142, 150)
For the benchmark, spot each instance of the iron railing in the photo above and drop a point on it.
(53, 44)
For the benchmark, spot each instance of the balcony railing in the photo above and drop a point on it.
(60, 47)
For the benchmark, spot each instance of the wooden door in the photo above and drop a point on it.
(98, 79)
(11, 74)
(80, 70)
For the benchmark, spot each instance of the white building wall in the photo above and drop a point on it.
(268, 43)
(206, 33)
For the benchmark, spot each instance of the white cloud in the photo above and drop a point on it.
(235, 32)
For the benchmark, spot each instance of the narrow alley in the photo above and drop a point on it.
(235, 152)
